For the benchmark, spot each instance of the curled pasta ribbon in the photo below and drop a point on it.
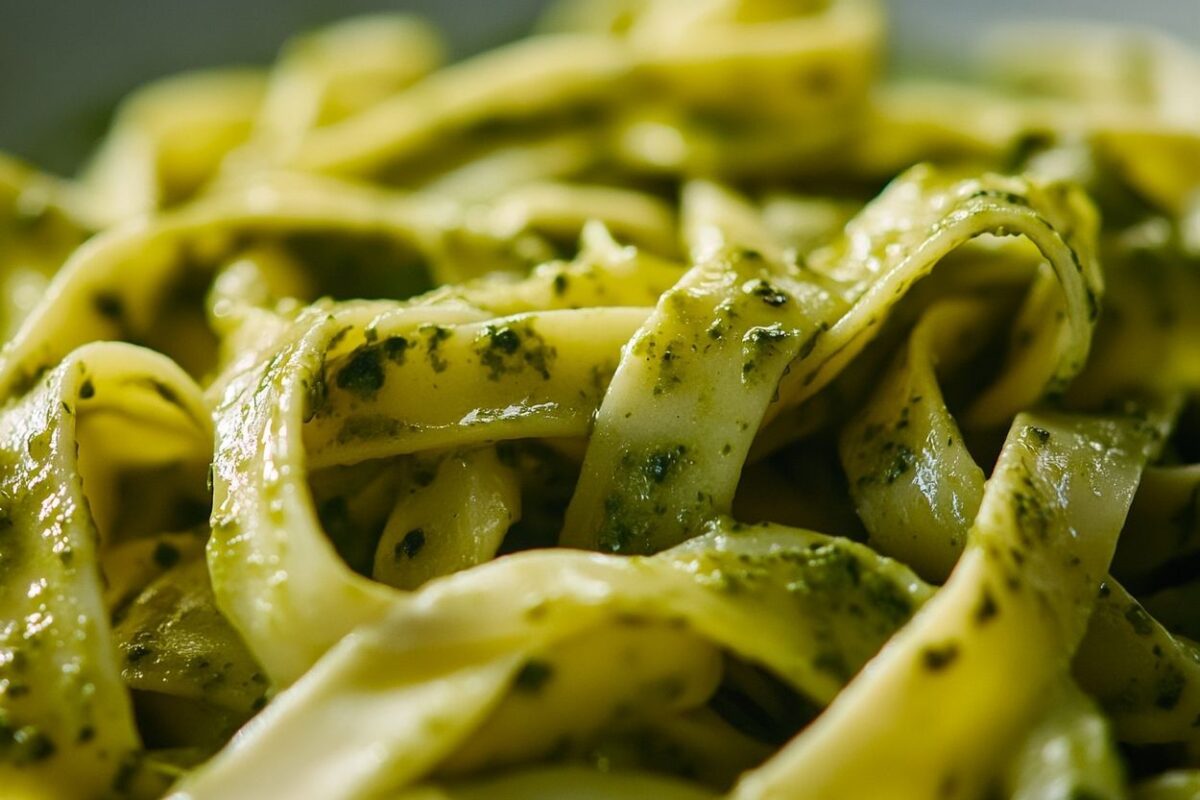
(67, 719)
(1025, 584)
(738, 323)
(519, 638)
(525, 384)
(576, 78)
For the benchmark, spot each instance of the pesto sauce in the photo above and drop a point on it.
(165, 555)
(1169, 687)
(901, 463)
(987, 608)
(937, 658)
(762, 343)
(363, 373)
(435, 335)
(630, 522)
(533, 676)
(410, 546)
(110, 306)
(23, 744)
(1139, 620)
(505, 349)
(767, 292)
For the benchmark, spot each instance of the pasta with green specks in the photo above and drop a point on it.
(670, 404)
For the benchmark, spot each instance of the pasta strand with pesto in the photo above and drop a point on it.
(663, 405)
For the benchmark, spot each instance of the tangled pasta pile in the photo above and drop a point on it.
(660, 406)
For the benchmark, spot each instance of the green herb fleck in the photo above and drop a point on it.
(763, 335)
(938, 657)
(31, 745)
(1139, 620)
(1169, 689)
(437, 334)
(166, 555)
(833, 664)
(363, 374)
(109, 305)
(659, 464)
(504, 339)
(395, 348)
(411, 545)
(987, 609)
(532, 676)
(136, 652)
(1041, 434)
(902, 462)
(768, 293)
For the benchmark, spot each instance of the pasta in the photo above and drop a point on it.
(664, 405)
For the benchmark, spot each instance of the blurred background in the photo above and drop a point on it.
(65, 63)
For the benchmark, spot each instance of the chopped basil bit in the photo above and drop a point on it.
(938, 657)
(987, 608)
(1041, 434)
(109, 305)
(411, 545)
(1139, 620)
(532, 676)
(363, 374)
(166, 555)
(902, 461)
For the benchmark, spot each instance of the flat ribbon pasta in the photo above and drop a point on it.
(564, 408)
(498, 628)
(649, 483)
(66, 717)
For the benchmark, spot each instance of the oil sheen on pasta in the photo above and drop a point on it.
(667, 404)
